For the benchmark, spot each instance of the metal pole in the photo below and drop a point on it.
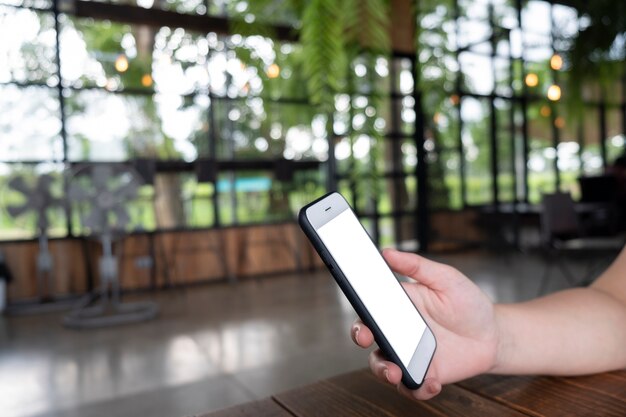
(493, 125)
(423, 215)
(63, 132)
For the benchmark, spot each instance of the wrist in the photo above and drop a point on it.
(504, 342)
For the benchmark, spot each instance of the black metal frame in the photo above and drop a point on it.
(154, 17)
(221, 25)
(523, 101)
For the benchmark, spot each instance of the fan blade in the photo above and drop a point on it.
(44, 183)
(42, 222)
(77, 193)
(121, 217)
(127, 191)
(100, 175)
(16, 211)
(49, 201)
(19, 184)
(106, 200)
(95, 220)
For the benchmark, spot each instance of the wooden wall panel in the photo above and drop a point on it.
(190, 257)
(402, 27)
(166, 259)
(68, 270)
(263, 250)
(452, 229)
(135, 256)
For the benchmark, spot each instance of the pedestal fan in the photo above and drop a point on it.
(38, 199)
(101, 192)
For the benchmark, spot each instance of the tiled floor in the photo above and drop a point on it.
(212, 346)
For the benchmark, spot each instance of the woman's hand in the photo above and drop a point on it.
(460, 315)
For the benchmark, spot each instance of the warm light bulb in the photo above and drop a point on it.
(273, 71)
(454, 99)
(532, 79)
(556, 62)
(146, 80)
(559, 122)
(545, 111)
(121, 63)
(554, 92)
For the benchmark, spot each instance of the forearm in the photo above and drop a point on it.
(572, 332)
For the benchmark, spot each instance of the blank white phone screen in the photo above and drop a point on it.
(370, 277)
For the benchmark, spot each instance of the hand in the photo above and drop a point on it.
(460, 315)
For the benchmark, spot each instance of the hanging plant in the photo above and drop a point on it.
(331, 33)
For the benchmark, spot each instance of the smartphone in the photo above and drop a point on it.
(367, 281)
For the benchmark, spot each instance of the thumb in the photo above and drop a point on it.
(422, 270)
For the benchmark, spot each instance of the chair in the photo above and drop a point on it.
(598, 189)
(603, 191)
(562, 234)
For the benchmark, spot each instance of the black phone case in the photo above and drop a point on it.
(353, 298)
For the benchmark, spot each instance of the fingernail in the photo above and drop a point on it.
(433, 388)
(356, 333)
(386, 373)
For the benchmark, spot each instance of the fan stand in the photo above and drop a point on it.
(110, 311)
(45, 302)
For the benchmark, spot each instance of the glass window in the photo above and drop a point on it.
(475, 137)
(404, 79)
(474, 34)
(30, 124)
(505, 14)
(506, 149)
(475, 9)
(197, 197)
(614, 141)
(537, 47)
(536, 17)
(256, 128)
(387, 233)
(250, 11)
(384, 197)
(256, 197)
(477, 73)
(503, 76)
(104, 126)
(305, 187)
(182, 6)
(118, 56)
(591, 155)
(542, 154)
(565, 21)
(370, 75)
(38, 4)
(568, 151)
(445, 181)
(30, 55)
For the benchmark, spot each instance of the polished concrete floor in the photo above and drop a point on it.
(212, 346)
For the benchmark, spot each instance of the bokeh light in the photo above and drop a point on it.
(532, 79)
(121, 63)
(556, 62)
(554, 92)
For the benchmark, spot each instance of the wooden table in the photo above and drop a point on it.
(360, 394)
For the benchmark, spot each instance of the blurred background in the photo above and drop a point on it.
(158, 151)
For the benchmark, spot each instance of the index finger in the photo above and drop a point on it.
(422, 270)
